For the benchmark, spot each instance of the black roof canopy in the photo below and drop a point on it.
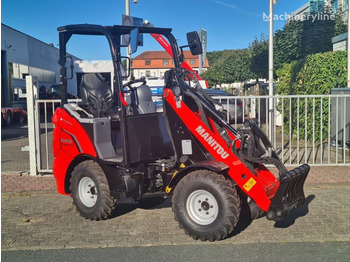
(90, 29)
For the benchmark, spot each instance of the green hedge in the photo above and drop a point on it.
(314, 75)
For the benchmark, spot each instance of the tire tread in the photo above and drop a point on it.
(106, 202)
(231, 202)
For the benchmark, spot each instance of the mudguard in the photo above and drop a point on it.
(70, 140)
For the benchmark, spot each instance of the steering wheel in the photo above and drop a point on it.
(130, 83)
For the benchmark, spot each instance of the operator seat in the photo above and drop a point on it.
(96, 94)
(141, 100)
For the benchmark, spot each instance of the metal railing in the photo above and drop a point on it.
(44, 111)
(313, 129)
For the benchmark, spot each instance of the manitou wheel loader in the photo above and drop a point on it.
(114, 145)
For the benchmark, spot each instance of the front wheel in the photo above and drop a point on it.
(90, 191)
(206, 205)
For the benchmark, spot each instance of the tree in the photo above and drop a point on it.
(340, 26)
(295, 41)
(299, 39)
(260, 55)
(231, 66)
(313, 75)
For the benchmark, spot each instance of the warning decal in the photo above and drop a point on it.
(249, 185)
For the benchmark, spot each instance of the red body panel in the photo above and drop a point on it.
(69, 141)
(260, 188)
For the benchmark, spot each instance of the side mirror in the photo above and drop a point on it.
(194, 43)
(134, 40)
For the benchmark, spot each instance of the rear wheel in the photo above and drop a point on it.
(206, 205)
(90, 191)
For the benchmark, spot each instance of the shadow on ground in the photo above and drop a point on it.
(12, 132)
(146, 203)
(295, 214)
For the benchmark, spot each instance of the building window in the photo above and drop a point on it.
(192, 61)
(24, 75)
(148, 73)
(165, 62)
(147, 62)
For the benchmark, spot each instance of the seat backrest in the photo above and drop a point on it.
(96, 94)
(143, 103)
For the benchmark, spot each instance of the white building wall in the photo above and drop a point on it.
(28, 56)
(157, 72)
(83, 66)
(26, 50)
(340, 46)
(34, 57)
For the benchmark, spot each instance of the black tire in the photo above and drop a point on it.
(255, 211)
(218, 211)
(21, 119)
(90, 191)
(8, 118)
(3, 121)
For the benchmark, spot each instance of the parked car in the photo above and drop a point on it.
(231, 104)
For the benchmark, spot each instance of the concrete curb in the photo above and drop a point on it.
(24, 183)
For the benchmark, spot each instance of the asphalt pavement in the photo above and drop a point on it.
(310, 251)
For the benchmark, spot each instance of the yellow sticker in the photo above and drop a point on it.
(168, 189)
(175, 174)
(182, 165)
(249, 185)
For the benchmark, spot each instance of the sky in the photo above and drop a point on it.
(230, 24)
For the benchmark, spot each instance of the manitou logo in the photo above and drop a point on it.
(212, 142)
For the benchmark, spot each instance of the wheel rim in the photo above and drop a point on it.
(87, 192)
(202, 207)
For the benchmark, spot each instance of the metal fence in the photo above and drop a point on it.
(313, 129)
(306, 129)
(40, 128)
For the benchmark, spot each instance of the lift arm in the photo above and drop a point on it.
(164, 43)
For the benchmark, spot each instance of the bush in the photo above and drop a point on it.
(314, 75)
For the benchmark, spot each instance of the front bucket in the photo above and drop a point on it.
(290, 193)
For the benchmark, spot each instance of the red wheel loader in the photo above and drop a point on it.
(114, 145)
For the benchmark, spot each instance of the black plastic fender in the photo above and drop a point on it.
(212, 165)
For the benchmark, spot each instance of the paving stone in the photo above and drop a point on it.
(54, 224)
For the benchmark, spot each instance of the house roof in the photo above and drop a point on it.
(161, 55)
(157, 58)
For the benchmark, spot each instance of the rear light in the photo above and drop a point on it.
(239, 104)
